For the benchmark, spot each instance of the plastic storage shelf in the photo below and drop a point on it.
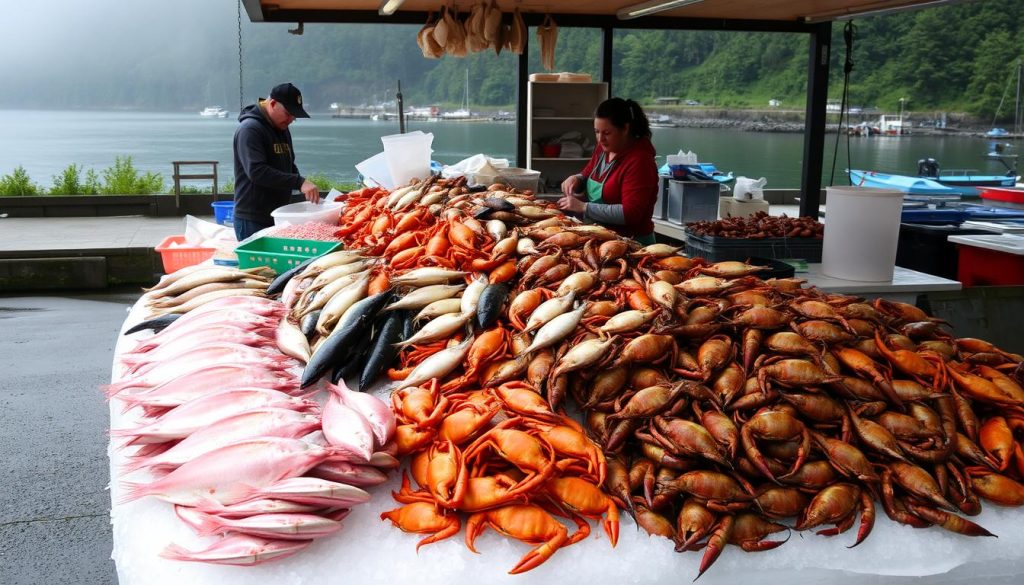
(177, 257)
(280, 254)
(716, 249)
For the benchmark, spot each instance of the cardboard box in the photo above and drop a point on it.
(729, 207)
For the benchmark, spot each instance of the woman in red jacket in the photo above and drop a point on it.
(619, 185)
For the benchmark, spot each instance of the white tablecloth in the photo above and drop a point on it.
(368, 550)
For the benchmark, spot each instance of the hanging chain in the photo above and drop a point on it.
(240, 91)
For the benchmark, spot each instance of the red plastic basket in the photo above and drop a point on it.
(177, 257)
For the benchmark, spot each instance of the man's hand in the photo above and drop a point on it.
(570, 185)
(310, 191)
(571, 204)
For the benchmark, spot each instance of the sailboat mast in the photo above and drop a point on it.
(467, 90)
(1016, 110)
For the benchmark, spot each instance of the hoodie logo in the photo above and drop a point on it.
(298, 98)
(282, 148)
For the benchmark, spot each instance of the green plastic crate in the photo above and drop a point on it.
(280, 254)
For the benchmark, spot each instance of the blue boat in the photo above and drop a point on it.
(965, 181)
(997, 133)
(911, 185)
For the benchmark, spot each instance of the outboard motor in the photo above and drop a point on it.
(928, 167)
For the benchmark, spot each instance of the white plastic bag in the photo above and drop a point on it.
(199, 232)
(683, 158)
(747, 189)
(468, 166)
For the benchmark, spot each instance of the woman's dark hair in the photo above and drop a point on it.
(621, 112)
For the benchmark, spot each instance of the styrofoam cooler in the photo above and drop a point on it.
(862, 231)
(408, 156)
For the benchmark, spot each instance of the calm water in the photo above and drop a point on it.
(45, 142)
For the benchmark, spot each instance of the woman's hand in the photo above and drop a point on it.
(571, 185)
(571, 204)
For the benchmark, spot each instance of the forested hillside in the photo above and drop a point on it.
(956, 58)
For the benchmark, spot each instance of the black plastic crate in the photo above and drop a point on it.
(924, 248)
(718, 249)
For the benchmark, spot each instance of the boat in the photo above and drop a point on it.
(910, 185)
(663, 121)
(463, 114)
(997, 133)
(965, 181)
(1013, 195)
(214, 112)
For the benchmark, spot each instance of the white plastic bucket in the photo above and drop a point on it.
(862, 231)
(408, 156)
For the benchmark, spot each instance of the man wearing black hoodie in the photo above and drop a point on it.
(265, 171)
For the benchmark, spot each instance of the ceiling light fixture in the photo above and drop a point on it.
(388, 7)
(648, 8)
(873, 9)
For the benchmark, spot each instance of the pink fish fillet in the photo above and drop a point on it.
(205, 354)
(253, 507)
(190, 322)
(381, 418)
(313, 490)
(347, 430)
(251, 424)
(350, 473)
(200, 382)
(291, 526)
(238, 549)
(233, 473)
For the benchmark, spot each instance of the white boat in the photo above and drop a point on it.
(214, 112)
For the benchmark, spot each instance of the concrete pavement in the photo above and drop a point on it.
(54, 503)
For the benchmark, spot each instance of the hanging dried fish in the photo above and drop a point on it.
(547, 34)
(425, 39)
(517, 33)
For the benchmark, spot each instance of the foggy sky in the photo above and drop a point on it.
(50, 46)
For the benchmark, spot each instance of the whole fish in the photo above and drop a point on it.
(438, 308)
(199, 382)
(557, 329)
(291, 341)
(238, 549)
(438, 365)
(348, 331)
(347, 430)
(439, 328)
(548, 310)
(427, 275)
(284, 526)
(349, 473)
(250, 424)
(313, 490)
(471, 296)
(383, 352)
(340, 303)
(200, 278)
(233, 473)
(278, 284)
(379, 414)
(157, 324)
(308, 325)
(421, 297)
(488, 308)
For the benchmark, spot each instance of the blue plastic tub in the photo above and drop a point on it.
(934, 216)
(223, 212)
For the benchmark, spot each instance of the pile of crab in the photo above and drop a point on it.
(729, 408)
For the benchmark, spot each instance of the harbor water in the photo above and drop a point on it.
(46, 142)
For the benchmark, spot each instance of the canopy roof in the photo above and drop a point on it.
(596, 11)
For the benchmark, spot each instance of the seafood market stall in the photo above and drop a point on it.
(513, 410)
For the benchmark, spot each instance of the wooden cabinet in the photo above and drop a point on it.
(553, 109)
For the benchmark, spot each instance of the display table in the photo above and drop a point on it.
(368, 550)
(905, 285)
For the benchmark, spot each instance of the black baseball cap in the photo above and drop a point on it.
(290, 97)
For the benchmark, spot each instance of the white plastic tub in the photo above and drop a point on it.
(862, 231)
(517, 178)
(306, 212)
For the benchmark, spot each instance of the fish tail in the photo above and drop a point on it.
(133, 491)
(176, 552)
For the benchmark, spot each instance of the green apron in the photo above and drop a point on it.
(595, 189)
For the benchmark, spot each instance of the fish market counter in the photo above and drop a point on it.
(905, 285)
(368, 550)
